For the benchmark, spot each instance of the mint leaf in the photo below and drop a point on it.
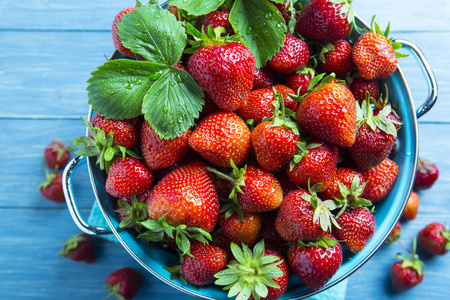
(153, 33)
(173, 103)
(197, 7)
(262, 27)
(117, 88)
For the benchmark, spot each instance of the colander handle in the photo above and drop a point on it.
(429, 75)
(72, 203)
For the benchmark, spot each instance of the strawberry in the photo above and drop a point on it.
(288, 101)
(357, 227)
(408, 272)
(292, 56)
(374, 54)
(325, 20)
(263, 78)
(286, 10)
(360, 87)
(342, 186)
(206, 260)
(335, 122)
(57, 154)
(243, 229)
(426, 175)
(395, 234)
(126, 132)
(225, 72)
(115, 32)
(216, 18)
(315, 162)
(380, 180)
(315, 263)
(80, 247)
(434, 238)
(160, 153)
(299, 81)
(127, 177)
(51, 188)
(220, 137)
(336, 57)
(412, 207)
(123, 283)
(258, 274)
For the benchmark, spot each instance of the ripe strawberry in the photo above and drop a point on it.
(241, 230)
(221, 137)
(314, 163)
(57, 154)
(286, 10)
(115, 32)
(263, 78)
(260, 273)
(380, 180)
(127, 177)
(299, 81)
(216, 18)
(126, 132)
(160, 153)
(336, 57)
(206, 260)
(325, 20)
(426, 175)
(412, 207)
(124, 283)
(225, 72)
(342, 186)
(357, 228)
(360, 87)
(434, 238)
(292, 56)
(408, 272)
(335, 122)
(315, 263)
(187, 195)
(80, 247)
(375, 55)
(395, 234)
(51, 188)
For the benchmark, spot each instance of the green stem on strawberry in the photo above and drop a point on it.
(134, 212)
(413, 262)
(282, 116)
(351, 197)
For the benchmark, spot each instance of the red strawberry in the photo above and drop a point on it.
(395, 234)
(342, 185)
(126, 132)
(408, 272)
(220, 137)
(225, 72)
(426, 175)
(124, 283)
(357, 227)
(57, 155)
(315, 263)
(216, 18)
(80, 247)
(127, 177)
(336, 57)
(263, 78)
(187, 195)
(285, 10)
(288, 101)
(434, 238)
(115, 32)
(160, 153)
(335, 122)
(412, 207)
(380, 180)
(292, 56)
(206, 260)
(241, 230)
(299, 81)
(325, 20)
(360, 87)
(51, 188)
(260, 273)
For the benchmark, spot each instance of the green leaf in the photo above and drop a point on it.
(117, 88)
(197, 7)
(262, 27)
(173, 103)
(153, 33)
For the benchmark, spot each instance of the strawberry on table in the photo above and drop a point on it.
(395, 234)
(434, 238)
(412, 207)
(57, 154)
(80, 247)
(124, 283)
(426, 175)
(51, 188)
(408, 272)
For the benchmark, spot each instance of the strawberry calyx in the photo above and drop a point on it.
(49, 177)
(215, 36)
(134, 212)
(324, 242)
(71, 244)
(414, 261)
(282, 116)
(446, 234)
(251, 273)
(316, 83)
(424, 165)
(375, 28)
(60, 148)
(303, 149)
(351, 197)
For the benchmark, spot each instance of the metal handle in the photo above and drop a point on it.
(71, 201)
(429, 75)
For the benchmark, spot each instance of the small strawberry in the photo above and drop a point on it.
(263, 78)
(426, 175)
(216, 18)
(395, 234)
(51, 188)
(115, 32)
(434, 238)
(126, 132)
(408, 272)
(221, 137)
(239, 229)
(57, 154)
(127, 177)
(360, 87)
(292, 56)
(347, 184)
(286, 10)
(374, 54)
(412, 207)
(336, 57)
(80, 247)
(315, 263)
(380, 180)
(260, 273)
(123, 283)
(160, 153)
(299, 81)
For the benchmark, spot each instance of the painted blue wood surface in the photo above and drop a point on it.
(47, 51)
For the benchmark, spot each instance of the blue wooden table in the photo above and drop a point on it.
(47, 51)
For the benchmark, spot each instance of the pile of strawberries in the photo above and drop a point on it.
(284, 163)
